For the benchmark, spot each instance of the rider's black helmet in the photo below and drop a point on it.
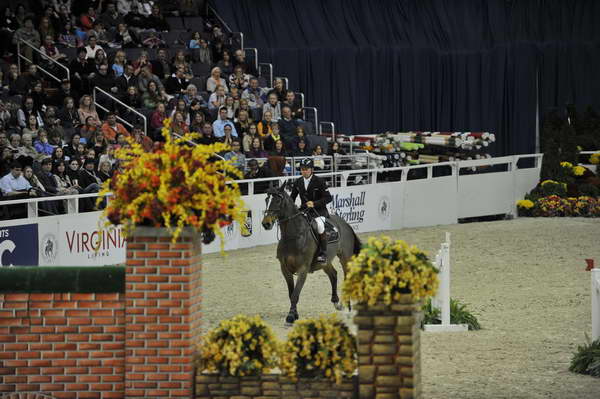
(306, 163)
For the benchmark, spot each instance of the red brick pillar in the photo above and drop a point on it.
(389, 361)
(162, 313)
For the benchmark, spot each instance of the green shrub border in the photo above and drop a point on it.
(81, 279)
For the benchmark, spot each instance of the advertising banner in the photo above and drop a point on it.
(365, 208)
(83, 242)
(19, 245)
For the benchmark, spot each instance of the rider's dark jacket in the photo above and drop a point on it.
(317, 192)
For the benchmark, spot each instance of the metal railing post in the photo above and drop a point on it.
(121, 103)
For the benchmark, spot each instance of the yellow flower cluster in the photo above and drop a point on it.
(578, 170)
(566, 164)
(527, 204)
(240, 346)
(546, 182)
(384, 270)
(595, 158)
(176, 186)
(322, 347)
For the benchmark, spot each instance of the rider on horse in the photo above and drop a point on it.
(315, 195)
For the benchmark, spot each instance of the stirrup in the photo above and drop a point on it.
(322, 258)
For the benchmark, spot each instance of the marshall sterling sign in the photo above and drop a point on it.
(364, 210)
(350, 207)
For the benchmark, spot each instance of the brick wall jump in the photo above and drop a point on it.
(63, 344)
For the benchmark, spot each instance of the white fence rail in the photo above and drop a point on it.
(442, 298)
(376, 204)
(595, 303)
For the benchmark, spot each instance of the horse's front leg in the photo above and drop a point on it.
(289, 279)
(293, 314)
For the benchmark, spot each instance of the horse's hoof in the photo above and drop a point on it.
(289, 320)
(338, 306)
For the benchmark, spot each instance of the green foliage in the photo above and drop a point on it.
(587, 359)
(60, 279)
(547, 189)
(458, 315)
(589, 190)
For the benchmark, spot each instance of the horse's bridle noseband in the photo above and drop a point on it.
(274, 212)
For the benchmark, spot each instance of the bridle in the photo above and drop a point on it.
(275, 212)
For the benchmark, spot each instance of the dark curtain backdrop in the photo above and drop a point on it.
(460, 65)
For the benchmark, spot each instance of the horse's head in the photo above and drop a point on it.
(278, 206)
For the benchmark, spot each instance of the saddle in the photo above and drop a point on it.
(332, 233)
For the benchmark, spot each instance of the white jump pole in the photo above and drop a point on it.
(595, 303)
(442, 298)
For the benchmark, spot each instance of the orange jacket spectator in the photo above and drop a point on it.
(111, 128)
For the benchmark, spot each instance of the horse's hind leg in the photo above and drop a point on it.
(344, 261)
(332, 274)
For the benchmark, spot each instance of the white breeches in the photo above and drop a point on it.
(320, 224)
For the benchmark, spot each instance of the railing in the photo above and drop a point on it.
(265, 70)
(311, 116)
(286, 81)
(237, 37)
(115, 99)
(301, 95)
(252, 56)
(58, 64)
(327, 128)
(350, 178)
(33, 203)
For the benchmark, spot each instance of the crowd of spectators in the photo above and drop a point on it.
(56, 140)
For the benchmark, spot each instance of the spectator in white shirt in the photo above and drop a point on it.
(14, 183)
(92, 48)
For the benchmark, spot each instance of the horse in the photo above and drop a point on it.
(298, 246)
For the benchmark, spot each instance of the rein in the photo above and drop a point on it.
(287, 219)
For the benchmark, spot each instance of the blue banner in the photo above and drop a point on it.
(19, 245)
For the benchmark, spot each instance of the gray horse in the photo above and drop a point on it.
(297, 247)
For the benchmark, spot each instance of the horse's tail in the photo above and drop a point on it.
(357, 243)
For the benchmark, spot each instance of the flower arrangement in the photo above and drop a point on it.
(241, 346)
(585, 206)
(551, 187)
(524, 207)
(595, 158)
(386, 269)
(578, 170)
(526, 204)
(319, 347)
(176, 186)
(552, 206)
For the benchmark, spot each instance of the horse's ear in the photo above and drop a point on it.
(287, 185)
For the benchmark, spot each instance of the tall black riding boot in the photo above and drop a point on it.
(322, 258)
